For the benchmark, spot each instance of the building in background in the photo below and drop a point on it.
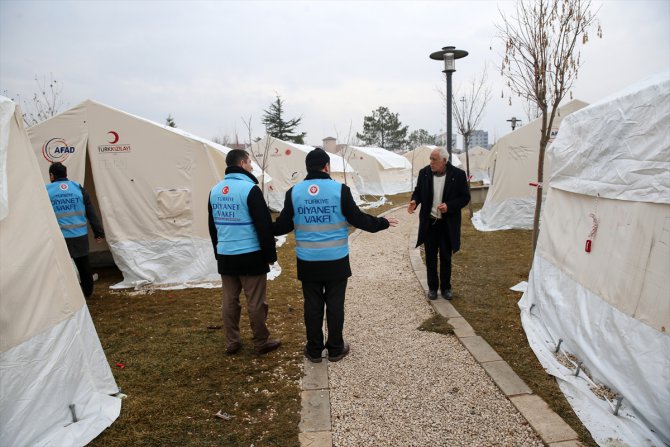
(479, 138)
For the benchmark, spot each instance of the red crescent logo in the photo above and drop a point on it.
(225, 190)
(276, 150)
(115, 135)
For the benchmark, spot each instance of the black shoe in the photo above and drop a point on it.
(343, 354)
(312, 359)
(446, 294)
(269, 346)
(233, 348)
(432, 294)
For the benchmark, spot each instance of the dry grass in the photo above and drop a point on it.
(488, 264)
(177, 376)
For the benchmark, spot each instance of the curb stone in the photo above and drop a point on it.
(315, 423)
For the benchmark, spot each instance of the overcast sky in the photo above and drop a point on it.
(212, 64)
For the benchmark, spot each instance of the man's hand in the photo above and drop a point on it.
(411, 207)
(392, 221)
(442, 207)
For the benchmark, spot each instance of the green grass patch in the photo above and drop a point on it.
(437, 323)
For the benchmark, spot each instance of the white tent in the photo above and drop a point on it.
(286, 165)
(510, 202)
(479, 163)
(382, 172)
(52, 366)
(150, 183)
(419, 158)
(610, 303)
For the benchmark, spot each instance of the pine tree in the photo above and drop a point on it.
(383, 129)
(278, 128)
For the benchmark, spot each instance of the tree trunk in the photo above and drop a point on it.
(466, 140)
(538, 195)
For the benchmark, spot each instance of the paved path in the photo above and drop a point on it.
(405, 387)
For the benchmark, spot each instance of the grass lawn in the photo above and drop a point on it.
(166, 349)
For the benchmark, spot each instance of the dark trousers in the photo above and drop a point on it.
(85, 276)
(254, 289)
(437, 243)
(330, 294)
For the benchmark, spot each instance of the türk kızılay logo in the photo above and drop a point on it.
(113, 147)
(56, 149)
(313, 190)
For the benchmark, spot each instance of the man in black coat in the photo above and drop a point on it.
(439, 217)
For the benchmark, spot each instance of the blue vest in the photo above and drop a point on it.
(321, 230)
(68, 204)
(234, 227)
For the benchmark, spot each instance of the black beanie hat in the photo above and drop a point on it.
(316, 159)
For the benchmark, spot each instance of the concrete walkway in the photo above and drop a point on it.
(401, 386)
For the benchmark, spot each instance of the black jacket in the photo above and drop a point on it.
(339, 268)
(456, 195)
(256, 262)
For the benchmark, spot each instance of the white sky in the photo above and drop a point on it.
(212, 64)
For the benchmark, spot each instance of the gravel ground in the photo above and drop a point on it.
(400, 386)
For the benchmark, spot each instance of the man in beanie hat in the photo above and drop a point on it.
(73, 209)
(320, 210)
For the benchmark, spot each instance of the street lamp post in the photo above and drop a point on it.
(449, 56)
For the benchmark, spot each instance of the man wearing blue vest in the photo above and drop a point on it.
(73, 209)
(240, 226)
(320, 211)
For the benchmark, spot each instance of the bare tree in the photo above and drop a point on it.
(469, 114)
(260, 156)
(540, 62)
(45, 103)
(346, 150)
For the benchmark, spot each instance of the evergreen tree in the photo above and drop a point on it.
(169, 121)
(420, 137)
(277, 127)
(383, 129)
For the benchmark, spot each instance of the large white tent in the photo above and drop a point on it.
(606, 302)
(285, 163)
(419, 158)
(510, 201)
(150, 182)
(382, 172)
(52, 366)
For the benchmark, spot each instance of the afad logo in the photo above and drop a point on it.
(313, 190)
(225, 190)
(113, 147)
(64, 186)
(56, 149)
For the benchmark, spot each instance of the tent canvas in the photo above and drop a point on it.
(286, 165)
(610, 305)
(150, 183)
(382, 172)
(479, 164)
(50, 354)
(510, 202)
(419, 158)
